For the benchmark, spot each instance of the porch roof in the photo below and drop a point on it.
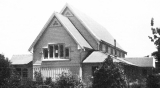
(142, 61)
(21, 59)
(99, 57)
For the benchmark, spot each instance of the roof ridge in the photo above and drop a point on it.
(83, 18)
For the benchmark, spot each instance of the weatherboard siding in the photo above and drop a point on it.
(57, 35)
(55, 71)
(51, 68)
(87, 71)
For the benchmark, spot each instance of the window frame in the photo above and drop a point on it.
(61, 49)
(67, 57)
(104, 49)
(45, 54)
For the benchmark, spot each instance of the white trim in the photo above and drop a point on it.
(82, 22)
(41, 32)
(55, 59)
(36, 64)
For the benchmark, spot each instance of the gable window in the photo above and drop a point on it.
(67, 52)
(45, 53)
(50, 51)
(61, 49)
(56, 51)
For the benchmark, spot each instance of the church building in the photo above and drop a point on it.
(72, 41)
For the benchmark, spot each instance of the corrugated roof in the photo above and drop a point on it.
(21, 59)
(73, 31)
(142, 61)
(70, 28)
(95, 57)
(99, 57)
(97, 30)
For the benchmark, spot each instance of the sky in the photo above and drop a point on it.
(127, 20)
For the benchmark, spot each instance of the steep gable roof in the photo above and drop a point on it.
(69, 27)
(97, 31)
(73, 31)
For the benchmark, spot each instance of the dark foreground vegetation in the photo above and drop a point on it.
(107, 75)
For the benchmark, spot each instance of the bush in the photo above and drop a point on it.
(38, 77)
(67, 80)
(153, 81)
(137, 84)
(48, 81)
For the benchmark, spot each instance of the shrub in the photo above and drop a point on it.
(38, 77)
(67, 80)
(48, 81)
(153, 81)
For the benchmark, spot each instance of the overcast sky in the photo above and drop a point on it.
(127, 20)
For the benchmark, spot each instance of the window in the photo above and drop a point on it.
(103, 47)
(111, 51)
(55, 51)
(45, 53)
(19, 71)
(61, 50)
(119, 54)
(50, 51)
(67, 52)
(122, 55)
(25, 72)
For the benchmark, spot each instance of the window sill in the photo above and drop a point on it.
(56, 60)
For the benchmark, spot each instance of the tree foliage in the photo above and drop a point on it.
(109, 75)
(4, 69)
(153, 81)
(155, 39)
(8, 76)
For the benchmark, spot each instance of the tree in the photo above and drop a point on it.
(153, 81)
(156, 39)
(4, 69)
(8, 75)
(109, 75)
